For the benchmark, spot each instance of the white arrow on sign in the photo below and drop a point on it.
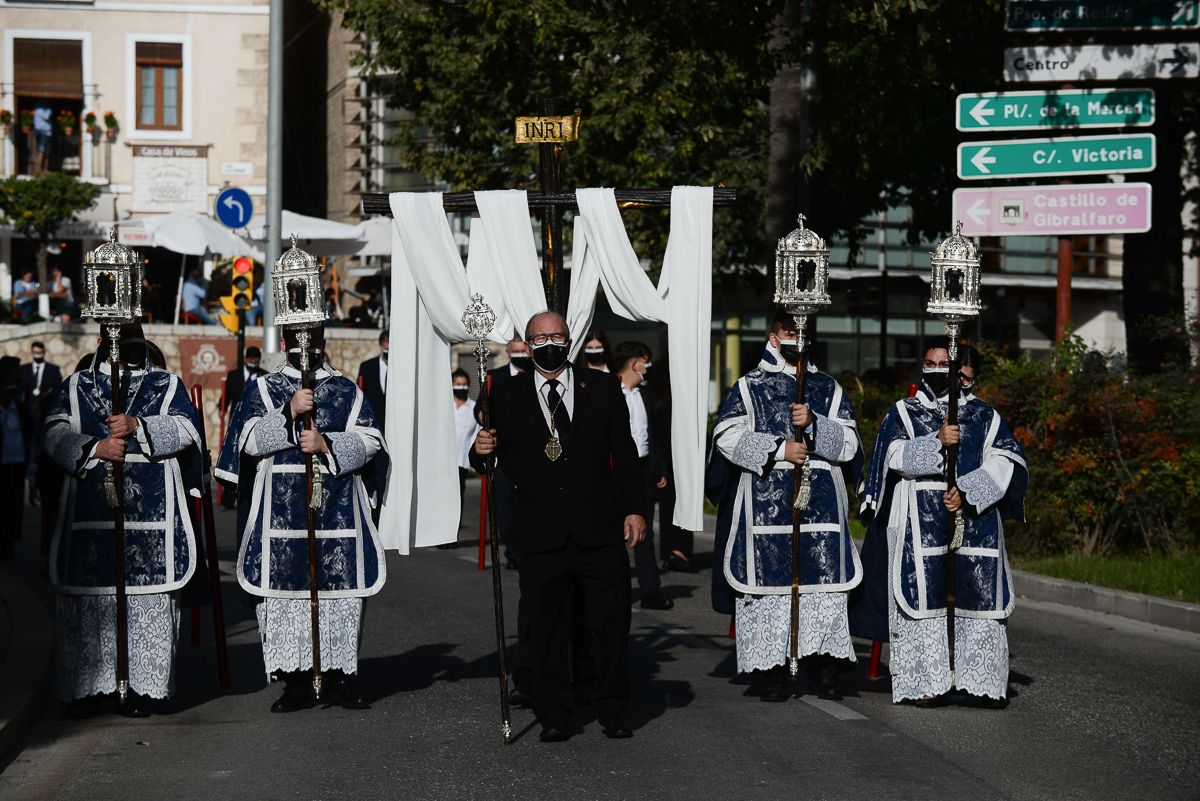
(978, 210)
(982, 159)
(981, 112)
(230, 203)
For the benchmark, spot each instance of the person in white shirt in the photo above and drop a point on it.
(465, 427)
(596, 352)
(632, 360)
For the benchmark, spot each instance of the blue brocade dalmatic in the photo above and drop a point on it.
(262, 456)
(162, 468)
(906, 483)
(754, 419)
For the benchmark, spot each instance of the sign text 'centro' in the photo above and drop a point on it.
(1102, 62)
(532, 130)
(1064, 210)
(1055, 109)
(1076, 155)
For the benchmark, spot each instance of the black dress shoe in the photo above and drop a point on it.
(679, 563)
(85, 707)
(823, 671)
(296, 695)
(554, 734)
(617, 729)
(519, 700)
(343, 690)
(135, 706)
(929, 702)
(657, 602)
(775, 685)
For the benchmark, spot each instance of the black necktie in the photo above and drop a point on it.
(562, 420)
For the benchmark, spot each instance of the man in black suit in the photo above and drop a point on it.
(39, 382)
(236, 380)
(15, 439)
(372, 380)
(632, 360)
(518, 363)
(562, 435)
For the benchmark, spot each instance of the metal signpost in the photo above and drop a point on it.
(1063, 210)
(1035, 16)
(234, 207)
(1101, 62)
(1077, 155)
(1055, 109)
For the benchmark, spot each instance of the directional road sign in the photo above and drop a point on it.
(234, 207)
(1090, 63)
(1066, 108)
(1054, 210)
(1074, 155)
(1091, 15)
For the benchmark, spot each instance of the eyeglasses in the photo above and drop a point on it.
(537, 340)
(932, 365)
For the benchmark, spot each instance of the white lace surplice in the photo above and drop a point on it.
(763, 628)
(285, 626)
(85, 636)
(920, 656)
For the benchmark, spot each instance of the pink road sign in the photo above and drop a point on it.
(1059, 210)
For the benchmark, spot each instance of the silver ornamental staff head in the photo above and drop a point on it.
(802, 272)
(479, 319)
(954, 289)
(296, 284)
(112, 277)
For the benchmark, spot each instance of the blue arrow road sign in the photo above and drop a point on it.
(234, 207)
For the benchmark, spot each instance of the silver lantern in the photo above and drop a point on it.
(802, 276)
(296, 282)
(954, 290)
(112, 276)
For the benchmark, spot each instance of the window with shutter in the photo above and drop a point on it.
(159, 84)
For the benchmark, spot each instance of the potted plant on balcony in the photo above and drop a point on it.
(26, 120)
(92, 126)
(110, 126)
(6, 120)
(66, 120)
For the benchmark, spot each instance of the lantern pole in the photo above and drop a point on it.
(802, 289)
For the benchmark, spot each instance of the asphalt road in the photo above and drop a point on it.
(1101, 710)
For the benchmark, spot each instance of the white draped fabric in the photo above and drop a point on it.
(430, 290)
(603, 256)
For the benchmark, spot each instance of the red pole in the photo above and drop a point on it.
(732, 627)
(222, 409)
(210, 542)
(1062, 305)
(873, 668)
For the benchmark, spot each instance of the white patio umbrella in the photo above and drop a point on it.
(317, 235)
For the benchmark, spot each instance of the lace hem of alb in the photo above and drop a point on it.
(285, 627)
(763, 628)
(920, 657)
(85, 636)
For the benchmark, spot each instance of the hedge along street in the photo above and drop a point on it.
(1079, 155)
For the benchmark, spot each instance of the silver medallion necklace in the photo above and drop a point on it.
(553, 447)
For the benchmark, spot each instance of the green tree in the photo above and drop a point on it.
(38, 207)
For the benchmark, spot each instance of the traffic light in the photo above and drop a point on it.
(241, 294)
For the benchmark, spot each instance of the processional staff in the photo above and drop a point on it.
(479, 319)
(113, 282)
(296, 283)
(954, 297)
(802, 289)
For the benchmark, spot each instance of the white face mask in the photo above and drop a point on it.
(594, 351)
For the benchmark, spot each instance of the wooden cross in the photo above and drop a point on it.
(550, 202)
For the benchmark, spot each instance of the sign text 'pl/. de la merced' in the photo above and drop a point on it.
(1059, 210)
(1058, 156)
(1063, 109)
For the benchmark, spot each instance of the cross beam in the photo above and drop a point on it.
(377, 203)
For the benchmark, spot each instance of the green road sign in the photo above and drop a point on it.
(1093, 15)
(1059, 110)
(1077, 155)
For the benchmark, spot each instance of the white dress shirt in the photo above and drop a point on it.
(639, 426)
(466, 428)
(566, 389)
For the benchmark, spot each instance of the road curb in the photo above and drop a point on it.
(1131, 605)
(24, 661)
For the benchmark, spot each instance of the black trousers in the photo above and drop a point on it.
(671, 537)
(506, 497)
(600, 578)
(644, 561)
(12, 500)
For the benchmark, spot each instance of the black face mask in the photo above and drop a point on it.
(133, 354)
(938, 381)
(521, 361)
(790, 351)
(316, 358)
(550, 357)
(462, 393)
(594, 358)
(39, 359)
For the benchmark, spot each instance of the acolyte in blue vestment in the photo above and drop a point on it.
(262, 456)
(754, 419)
(904, 488)
(161, 473)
